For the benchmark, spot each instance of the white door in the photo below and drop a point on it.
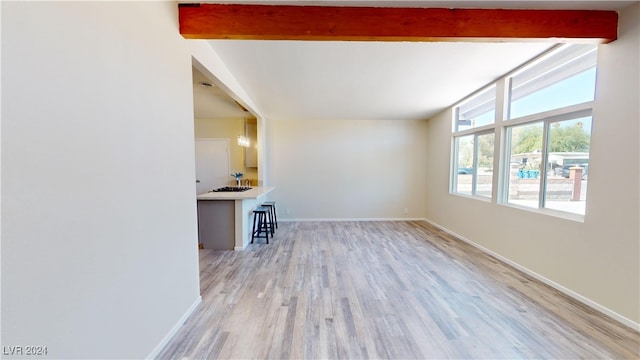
(212, 164)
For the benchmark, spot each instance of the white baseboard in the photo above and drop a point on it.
(156, 351)
(351, 219)
(592, 304)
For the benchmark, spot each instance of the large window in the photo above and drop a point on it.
(565, 77)
(478, 111)
(545, 131)
(474, 164)
(472, 172)
(549, 163)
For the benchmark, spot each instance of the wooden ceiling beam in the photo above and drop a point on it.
(337, 23)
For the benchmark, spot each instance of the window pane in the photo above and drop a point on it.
(464, 171)
(565, 78)
(484, 176)
(566, 188)
(477, 111)
(525, 155)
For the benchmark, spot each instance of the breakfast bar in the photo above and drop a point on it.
(224, 218)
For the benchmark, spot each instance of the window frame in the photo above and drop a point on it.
(547, 118)
(486, 130)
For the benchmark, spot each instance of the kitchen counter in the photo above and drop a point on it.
(225, 219)
(254, 193)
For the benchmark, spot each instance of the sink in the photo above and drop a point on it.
(232, 189)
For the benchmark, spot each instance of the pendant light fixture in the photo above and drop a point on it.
(243, 140)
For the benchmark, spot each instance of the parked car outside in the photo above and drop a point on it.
(465, 170)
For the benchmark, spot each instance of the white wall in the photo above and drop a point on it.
(597, 259)
(347, 169)
(99, 240)
(228, 129)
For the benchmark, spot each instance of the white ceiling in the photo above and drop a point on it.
(211, 102)
(375, 80)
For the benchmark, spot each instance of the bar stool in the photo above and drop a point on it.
(260, 224)
(267, 224)
(272, 209)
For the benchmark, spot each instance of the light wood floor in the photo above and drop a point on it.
(392, 290)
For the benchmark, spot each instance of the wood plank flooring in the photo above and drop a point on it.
(390, 290)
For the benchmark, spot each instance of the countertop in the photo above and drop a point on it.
(254, 193)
